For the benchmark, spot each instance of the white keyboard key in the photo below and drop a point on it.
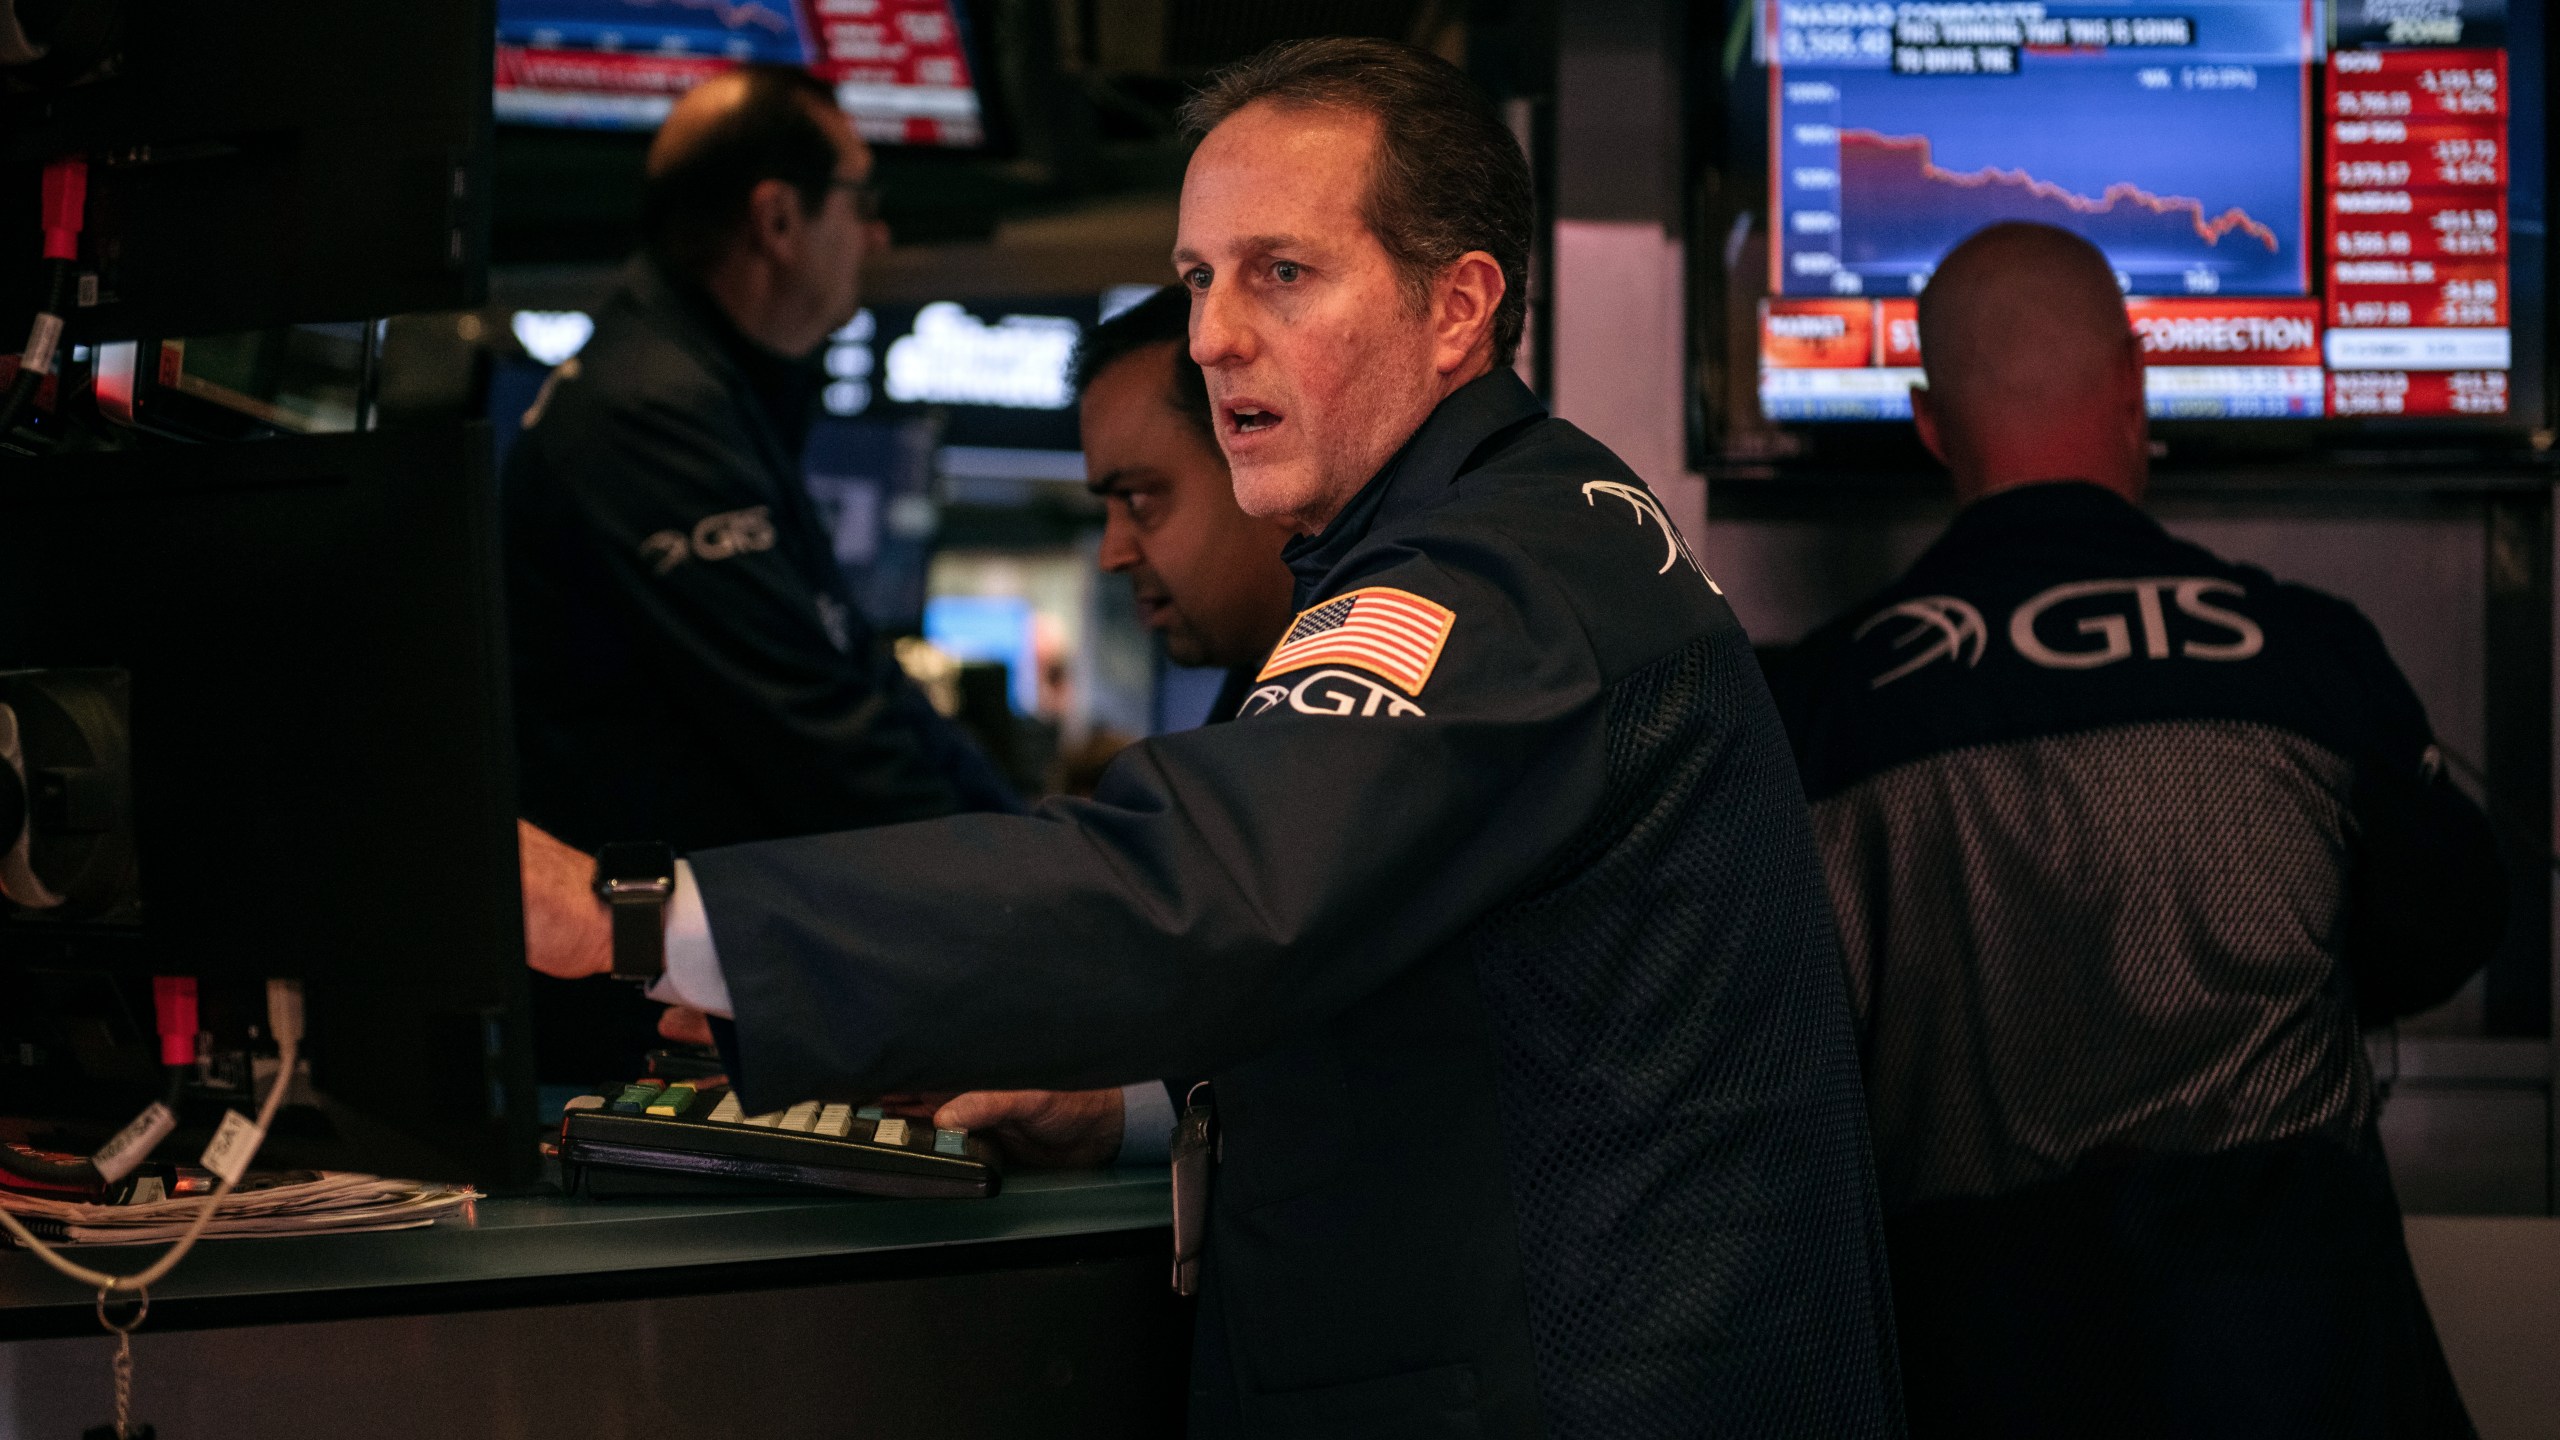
(728, 1111)
(835, 1120)
(801, 1116)
(893, 1131)
(769, 1120)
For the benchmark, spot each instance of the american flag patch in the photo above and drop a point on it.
(1393, 633)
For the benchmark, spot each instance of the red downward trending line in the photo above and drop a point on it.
(2210, 231)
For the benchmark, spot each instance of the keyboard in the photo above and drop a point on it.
(657, 1138)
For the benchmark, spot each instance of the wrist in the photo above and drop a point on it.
(595, 935)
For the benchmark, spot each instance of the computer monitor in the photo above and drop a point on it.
(990, 628)
(310, 768)
(904, 70)
(2326, 215)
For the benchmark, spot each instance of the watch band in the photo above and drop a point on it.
(639, 936)
(635, 882)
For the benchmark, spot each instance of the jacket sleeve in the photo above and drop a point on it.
(2427, 898)
(821, 728)
(1224, 888)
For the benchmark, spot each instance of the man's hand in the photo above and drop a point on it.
(685, 1026)
(1062, 1129)
(567, 931)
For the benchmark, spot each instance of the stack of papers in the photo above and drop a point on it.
(336, 1203)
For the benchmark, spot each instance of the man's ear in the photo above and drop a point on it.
(775, 217)
(1924, 418)
(1468, 294)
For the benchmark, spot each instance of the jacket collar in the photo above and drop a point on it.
(1420, 473)
(2039, 510)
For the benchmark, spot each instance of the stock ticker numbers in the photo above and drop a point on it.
(2417, 232)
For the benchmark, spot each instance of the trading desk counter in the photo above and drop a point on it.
(1044, 1310)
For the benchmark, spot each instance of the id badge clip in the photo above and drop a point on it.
(1195, 1154)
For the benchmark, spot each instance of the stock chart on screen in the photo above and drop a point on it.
(2307, 212)
(2179, 150)
(900, 68)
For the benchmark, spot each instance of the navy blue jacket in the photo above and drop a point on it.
(2122, 838)
(689, 665)
(1507, 951)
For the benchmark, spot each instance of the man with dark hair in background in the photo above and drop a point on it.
(1208, 577)
(1493, 922)
(2124, 838)
(689, 665)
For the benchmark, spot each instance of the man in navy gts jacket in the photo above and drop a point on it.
(689, 664)
(2123, 838)
(1494, 919)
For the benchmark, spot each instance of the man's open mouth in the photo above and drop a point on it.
(1250, 419)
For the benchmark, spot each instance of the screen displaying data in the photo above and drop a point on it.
(900, 68)
(2308, 211)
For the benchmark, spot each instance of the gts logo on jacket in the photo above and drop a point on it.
(2077, 626)
(715, 537)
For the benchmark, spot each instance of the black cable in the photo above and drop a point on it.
(57, 1174)
(22, 391)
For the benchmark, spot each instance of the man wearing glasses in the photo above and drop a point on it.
(688, 661)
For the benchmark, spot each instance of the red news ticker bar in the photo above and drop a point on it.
(2417, 84)
(2417, 292)
(2418, 393)
(2416, 224)
(2227, 332)
(2394, 154)
(1829, 334)
(1817, 334)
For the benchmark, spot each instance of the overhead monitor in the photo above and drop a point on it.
(2321, 215)
(902, 69)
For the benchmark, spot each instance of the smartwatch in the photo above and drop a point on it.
(634, 880)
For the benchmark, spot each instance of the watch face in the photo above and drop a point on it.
(635, 860)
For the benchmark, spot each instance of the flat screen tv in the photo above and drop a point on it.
(2326, 215)
(903, 69)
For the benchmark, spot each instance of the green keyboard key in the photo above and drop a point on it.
(673, 1102)
(633, 1099)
